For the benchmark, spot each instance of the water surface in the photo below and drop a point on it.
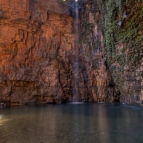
(72, 123)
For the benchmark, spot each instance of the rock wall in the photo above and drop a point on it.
(37, 55)
(122, 28)
(113, 30)
(102, 88)
(35, 42)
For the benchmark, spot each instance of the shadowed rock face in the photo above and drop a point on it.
(121, 24)
(36, 56)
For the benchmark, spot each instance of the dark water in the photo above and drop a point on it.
(84, 123)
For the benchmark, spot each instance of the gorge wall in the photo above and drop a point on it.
(37, 56)
(121, 25)
(120, 40)
(35, 39)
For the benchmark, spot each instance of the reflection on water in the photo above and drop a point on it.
(2, 120)
(79, 123)
(0, 116)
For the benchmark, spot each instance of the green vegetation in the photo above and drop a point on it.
(121, 23)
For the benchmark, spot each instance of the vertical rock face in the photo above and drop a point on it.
(35, 40)
(95, 74)
(123, 45)
(114, 30)
(111, 33)
(37, 58)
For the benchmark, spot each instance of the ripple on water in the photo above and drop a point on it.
(134, 108)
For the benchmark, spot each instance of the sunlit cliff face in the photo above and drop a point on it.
(37, 56)
(37, 49)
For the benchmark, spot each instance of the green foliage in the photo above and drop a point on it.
(121, 23)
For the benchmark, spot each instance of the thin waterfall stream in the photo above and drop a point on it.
(75, 8)
(76, 53)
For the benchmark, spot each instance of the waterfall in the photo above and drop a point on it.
(76, 53)
(75, 6)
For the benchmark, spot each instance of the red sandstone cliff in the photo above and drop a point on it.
(34, 41)
(36, 57)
